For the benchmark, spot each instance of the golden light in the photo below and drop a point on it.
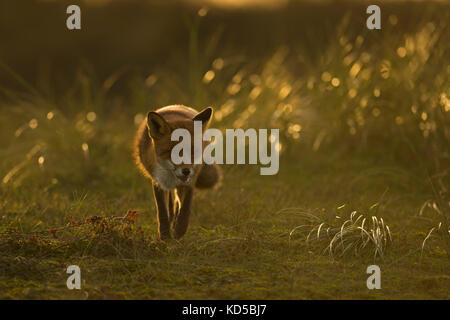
(203, 12)
(401, 52)
(91, 116)
(349, 59)
(352, 93)
(255, 80)
(366, 73)
(424, 116)
(278, 146)
(255, 93)
(209, 76)
(359, 41)
(445, 102)
(376, 112)
(218, 115)
(385, 69)
(233, 88)
(287, 108)
(33, 124)
(365, 57)
(393, 20)
(363, 102)
(227, 107)
(335, 82)
(326, 76)
(218, 64)
(237, 78)
(376, 92)
(284, 92)
(150, 81)
(85, 148)
(399, 120)
(138, 118)
(355, 69)
(235, 4)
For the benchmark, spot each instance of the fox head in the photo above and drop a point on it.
(160, 129)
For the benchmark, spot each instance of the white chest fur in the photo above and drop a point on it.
(165, 178)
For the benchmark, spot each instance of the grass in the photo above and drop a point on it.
(238, 244)
(352, 233)
(363, 174)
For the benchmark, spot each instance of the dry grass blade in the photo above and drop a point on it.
(353, 233)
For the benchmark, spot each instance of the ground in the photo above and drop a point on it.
(238, 245)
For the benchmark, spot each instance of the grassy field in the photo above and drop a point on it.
(364, 127)
(238, 245)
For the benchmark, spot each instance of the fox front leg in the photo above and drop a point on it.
(171, 206)
(182, 219)
(161, 199)
(174, 206)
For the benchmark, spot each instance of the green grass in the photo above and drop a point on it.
(370, 139)
(238, 244)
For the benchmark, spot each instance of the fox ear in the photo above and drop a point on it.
(157, 126)
(204, 116)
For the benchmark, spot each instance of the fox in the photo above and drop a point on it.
(173, 184)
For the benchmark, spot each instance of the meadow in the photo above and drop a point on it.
(364, 120)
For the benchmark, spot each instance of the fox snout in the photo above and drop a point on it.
(184, 174)
(174, 175)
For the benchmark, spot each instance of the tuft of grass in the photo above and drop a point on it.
(358, 233)
(109, 235)
(440, 230)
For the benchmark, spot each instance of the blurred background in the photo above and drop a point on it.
(311, 68)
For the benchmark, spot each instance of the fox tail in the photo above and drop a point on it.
(210, 176)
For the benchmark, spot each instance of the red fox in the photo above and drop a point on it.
(173, 185)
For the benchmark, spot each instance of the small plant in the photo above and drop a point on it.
(359, 232)
(441, 230)
(112, 229)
